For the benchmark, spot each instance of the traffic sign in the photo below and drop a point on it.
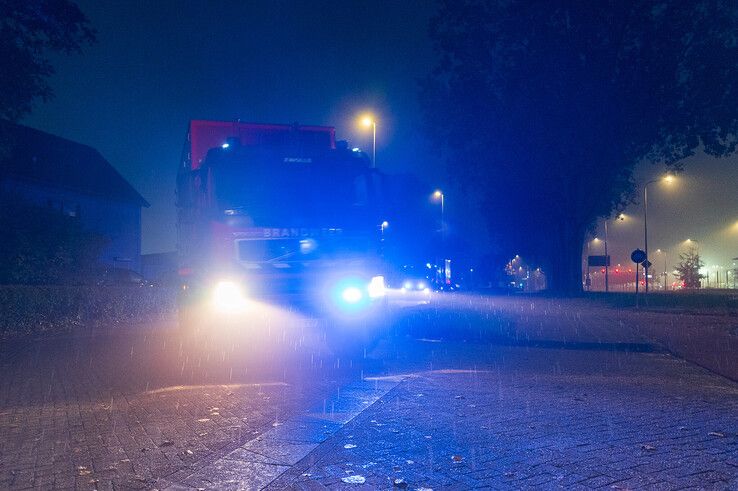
(638, 256)
(598, 261)
(647, 264)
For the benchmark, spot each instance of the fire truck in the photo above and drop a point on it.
(278, 214)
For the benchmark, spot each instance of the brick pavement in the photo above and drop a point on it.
(526, 394)
(532, 417)
(128, 410)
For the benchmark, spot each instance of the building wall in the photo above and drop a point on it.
(119, 222)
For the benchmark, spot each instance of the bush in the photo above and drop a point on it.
(43, 246)
(31, 311)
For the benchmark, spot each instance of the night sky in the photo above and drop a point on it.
(159, 64)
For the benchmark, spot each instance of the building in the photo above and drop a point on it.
(76, 180)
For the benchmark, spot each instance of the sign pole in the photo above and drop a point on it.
(638, 256)
(638, 267)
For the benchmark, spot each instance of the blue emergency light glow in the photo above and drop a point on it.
(351, 295)
(354, 294)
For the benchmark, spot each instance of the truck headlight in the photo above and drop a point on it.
(376, 287)
(229, 297)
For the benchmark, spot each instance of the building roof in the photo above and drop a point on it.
(40, 157)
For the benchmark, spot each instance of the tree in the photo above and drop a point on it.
(689, 269)
(29, 31)
(542, 108)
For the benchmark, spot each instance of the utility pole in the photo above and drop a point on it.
(607, 263)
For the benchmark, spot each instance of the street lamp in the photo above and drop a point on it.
(588, 277)
(439, 196)
(620, 217)
(692, 243)
(668, 178)
(383, 226)
(370, 122)
(665, 274)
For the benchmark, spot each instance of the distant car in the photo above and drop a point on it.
(415, 285)
(412, 291)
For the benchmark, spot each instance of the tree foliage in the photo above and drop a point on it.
(29, 31)
(688, 269)
(542, 108)
(45, 246)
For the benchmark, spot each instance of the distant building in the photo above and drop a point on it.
(76, 180)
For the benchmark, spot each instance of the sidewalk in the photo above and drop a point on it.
(552, 419)
(708, 339)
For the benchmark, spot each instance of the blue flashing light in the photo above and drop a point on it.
(351, 295)
(225, 145)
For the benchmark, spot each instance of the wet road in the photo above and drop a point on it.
(468, 391)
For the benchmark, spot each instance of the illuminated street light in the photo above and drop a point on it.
(439, 196)
(668, 179)
(620, 217)
(383, 226)
(665, 274)
(370, 122)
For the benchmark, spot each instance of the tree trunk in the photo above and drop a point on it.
(565, 259)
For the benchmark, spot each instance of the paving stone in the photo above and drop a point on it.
(227, 474)
(304, 429)
(271, 451)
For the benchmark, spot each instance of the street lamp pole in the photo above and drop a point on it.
(370, 121)
(607, 263)
(645, 231)
(588, 277)
(443, 198)
(666, 273)
(667, 178)
(374, 144)
(438, 194)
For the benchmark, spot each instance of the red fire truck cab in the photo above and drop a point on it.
(278, 213)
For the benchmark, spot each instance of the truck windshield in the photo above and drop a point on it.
(293, 194)
(298, 250)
